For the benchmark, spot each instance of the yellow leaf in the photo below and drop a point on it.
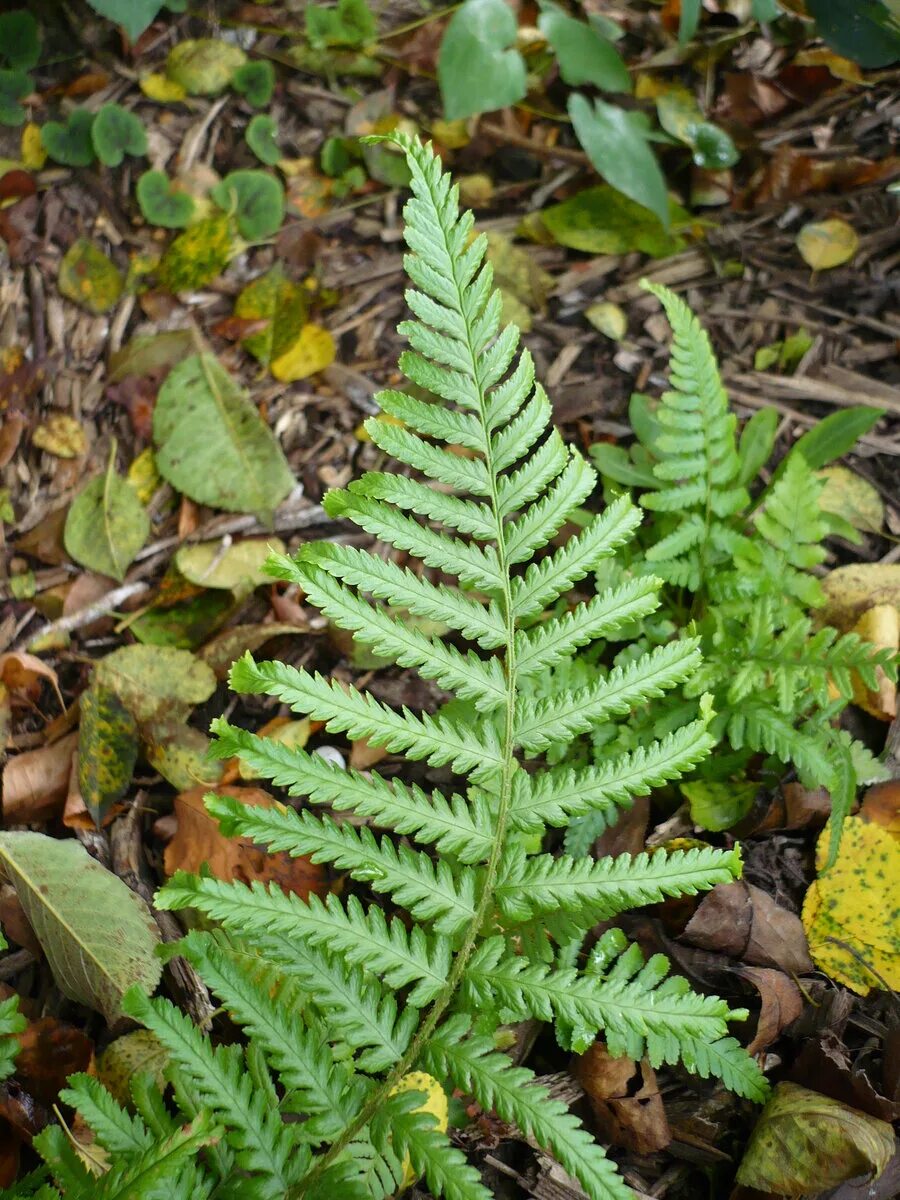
(32, 148)
(89, 278)
(827, 244)
(609, 319)
(313, 351)
(362, 434)
(274, 298)
(61, 435)
(143, 476)
(849, 591)
(879, 625)
(855, 904)
(162, 89)
(435, 1103)
(452, 134)
(839, 67)
(848, 495)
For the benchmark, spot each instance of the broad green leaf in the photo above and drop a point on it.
(238, 567)
(204, 66)
(133, 15)
(680, 115)
(719, 805)
(255, 81)
(688, 20)
(833, 436)
(255, 199)
(162, 203)
(89, 278)
(601, 220)
(106, 525)
(805, 1143)
(479, 68)
(107, 750)
(584, 55)
(262, 138)
(14, 85)
(20, 40)
(617, 145)
(98, 935)
(185, 625)
(349, 23)
(757, 441)
(862, 30)
(615, 463)
(155, 681)
(70, 143)
(117, 132)
(212, 443)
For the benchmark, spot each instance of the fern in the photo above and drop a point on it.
(741, 571)
(12, 1023)
(339, 999)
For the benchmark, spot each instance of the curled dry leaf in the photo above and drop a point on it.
(35, 783)
(805, 1143)
(21, 674)
(782, 1004)
(198, 840)
(625, 1100)
(745, 922)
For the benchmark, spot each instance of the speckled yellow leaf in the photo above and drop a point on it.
(129, 1055)
(280, 302)
(850, 590)
(32, 148)
(313, 351)
(857, 904)
(827, 244)
(107, 749)
(143, 476)
(162, 89)
(198, 255)
(61, 435)
(435, 1103)
(881, 626)
(89, 278)
(850, 496)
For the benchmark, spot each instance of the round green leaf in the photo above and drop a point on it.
(13, 86)
(479, 68)
(106, 526)
(204, 66)
(98, 935)
(117, 132)
(212, 443)
(255, 81)
(133, 15)
(262, 138)
(70, 143)
(618, 148)
(256, 199)
(584, 55)
(20, 39)
(161, 203)
(107, 749)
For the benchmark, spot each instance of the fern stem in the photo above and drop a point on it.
(508, 766)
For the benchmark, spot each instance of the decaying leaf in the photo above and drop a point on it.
(226, 647)
(89, 278)
(312, 351)
(179, 753)
(61, 435)
(523, 285)
(601, 220)
(625, 1100)
(879, 625)
(827, 244)
(107, 750)
(204, 66)
(98, 935)
(745, 922)
(850, 911)
(131, 1054)
(35, 783)
(21, 673)
(848, 495)
(283, 306)
(238, 566)
(199, 255)
(198, 840)
(156, 681)
(849, 591)
(805, 1143)
(212, 444)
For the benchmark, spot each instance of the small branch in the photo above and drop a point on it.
(85, 616)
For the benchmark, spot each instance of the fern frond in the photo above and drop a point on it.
(409, 495)
(725, 1059)
(539, 521)
(12, 1023)
(114, 1128)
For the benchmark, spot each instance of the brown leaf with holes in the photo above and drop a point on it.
(198, 840)
(625, 1100)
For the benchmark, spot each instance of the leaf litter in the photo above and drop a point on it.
(184, 368)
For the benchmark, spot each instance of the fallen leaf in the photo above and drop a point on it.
(850, 911)
(204, 66)
(212, 444)
(49, 1052)
(824, 1064)
(199, 255)
(155, 681)
(601, 220)
(804, 1143)
(782, 1003)
(89, 278)
(839, 67)
(610, 319)
(198, 840)
(107, 750)
(312, 351)
(97, 934)
(625, 1100)
(824, 245)
(35, 783)
(106, 525)
(222, 651)
(21, 673)
(719, 805)
(186, 624)
(150, 354)
(180, 754)
(283, 306)
(790, 174)
(162, 89)
(238, 566)
(879, 625)
(848, 495)
(61, 435)
(31, 147)
(881, 806)
(744, 922)
(523, 285)
(850, 591)
(139, 1052)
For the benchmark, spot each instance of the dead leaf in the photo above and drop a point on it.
(804, 1143)
(824, 245)
(850, 911)
(21, 673)
(744, 922)
(849, 591)
(625, 1100)
(107, 750)
(782, 1004)
(61, 435)
(881, 806)
(35, 783)
(879, 625)
(51, 1051)
(197, 840)
(824, 1064)
(226, 647)
(790, 174)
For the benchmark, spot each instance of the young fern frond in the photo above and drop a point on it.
(388, 993)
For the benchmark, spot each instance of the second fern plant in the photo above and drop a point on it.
(456, 927)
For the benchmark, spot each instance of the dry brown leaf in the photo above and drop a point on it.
(625, 1099)
(782, 1003)
(881, 806)
(35, 783)
(198, 840)
(21, 673)
(744, 922)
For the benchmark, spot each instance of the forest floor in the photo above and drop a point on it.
(75, 387)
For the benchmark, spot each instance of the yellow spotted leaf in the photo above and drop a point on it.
(850, 591)
(89, 278)
(32, 147)
(282, 304)
(162, 89)
(312, 351)
(199, 255)
(61, 435)
(204, 66)
(827, 244)
(107, 750)
(143, 477)
(851, 911)
(435, 1103)
(130, 1055)
(850, 496)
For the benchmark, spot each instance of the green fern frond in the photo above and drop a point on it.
(114, 1128)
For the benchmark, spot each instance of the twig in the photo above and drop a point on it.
(284, 521)
(85, 616)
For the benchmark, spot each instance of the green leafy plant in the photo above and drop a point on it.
(255, 81)
(161, 203)
(20, 49)
(480, 69)
(255, 199)
(349, 24)
(69, 142)
(135, 15)
(12, 1022)
(739, 570)
(262, 138)
(116, 132)
(459, 922)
